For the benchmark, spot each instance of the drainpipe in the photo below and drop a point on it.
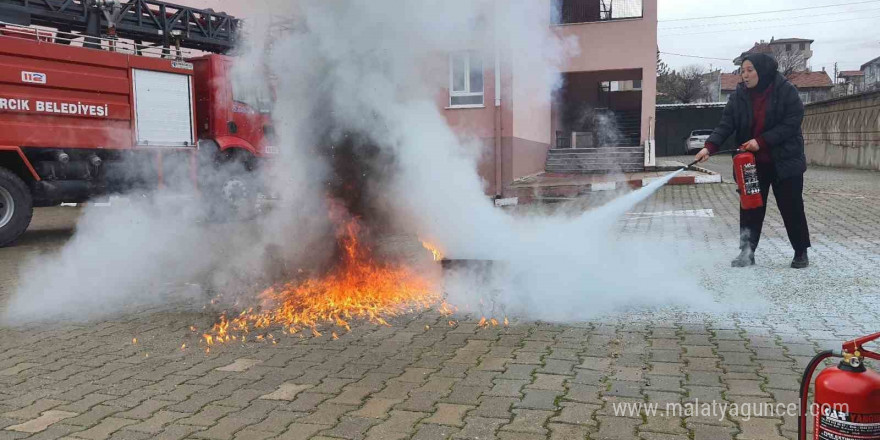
(499, 163)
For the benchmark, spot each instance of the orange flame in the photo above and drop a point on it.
(435, 251)
(357, 288)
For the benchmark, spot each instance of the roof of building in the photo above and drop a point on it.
(791, 40)
(729, 81)
(849, 73)
(810, 80)
(870, 62)
(759, 48)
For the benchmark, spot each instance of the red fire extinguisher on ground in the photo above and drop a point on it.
(746, 173)
(847, 398)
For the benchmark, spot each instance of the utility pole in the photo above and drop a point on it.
(835, 72)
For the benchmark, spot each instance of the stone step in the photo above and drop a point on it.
(574, 154)
(595, 149)
(598, 160)
(576, 157)
(632, 168)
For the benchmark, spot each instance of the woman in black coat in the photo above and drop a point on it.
(765, 114)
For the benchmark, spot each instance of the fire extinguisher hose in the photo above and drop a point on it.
(716, 153)
(805, 390)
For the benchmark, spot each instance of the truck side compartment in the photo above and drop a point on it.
(91, 122)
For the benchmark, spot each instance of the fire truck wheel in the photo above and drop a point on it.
(234, 199)
(16, 207)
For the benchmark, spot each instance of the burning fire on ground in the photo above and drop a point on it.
(357, 288)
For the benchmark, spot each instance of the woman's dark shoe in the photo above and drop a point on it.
(744, 259)
(800, 260)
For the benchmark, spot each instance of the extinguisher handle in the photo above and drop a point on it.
(858, 345)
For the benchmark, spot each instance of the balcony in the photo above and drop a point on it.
(593, 11)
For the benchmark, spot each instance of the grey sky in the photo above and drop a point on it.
(845, 34)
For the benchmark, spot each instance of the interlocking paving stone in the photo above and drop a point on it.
(104, 429)
(156, 424)
(577, 414)
(561, 431)
(18, 368)
(351, 428)
(376, 408)
(240, 365)
(436, 432)
(614, 428)
(287, 391)
(397, 422)
(449, 414)
(360, 384)
(301, 431)
(479, 427)
(42, 422)
(539, 399)
(207, 416)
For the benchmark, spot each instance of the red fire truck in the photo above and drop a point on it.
(97, 98)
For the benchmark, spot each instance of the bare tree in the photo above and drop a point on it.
(688, 85)
(790, 61)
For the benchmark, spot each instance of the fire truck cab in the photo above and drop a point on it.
(97, 98)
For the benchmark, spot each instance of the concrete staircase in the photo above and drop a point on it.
(629, 127)
(618, 147)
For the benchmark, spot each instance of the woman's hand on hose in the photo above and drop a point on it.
(702, 156)
(751, 145)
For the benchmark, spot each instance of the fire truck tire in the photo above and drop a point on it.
(235, 199)
(16, 207)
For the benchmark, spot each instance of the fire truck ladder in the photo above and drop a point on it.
(143, 21)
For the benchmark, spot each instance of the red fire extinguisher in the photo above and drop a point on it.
(847, 398)
(747, 179)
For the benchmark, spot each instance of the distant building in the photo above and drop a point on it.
(872, 74)
(729, 82)
(853, 81)
(793, 54)
(812, 86)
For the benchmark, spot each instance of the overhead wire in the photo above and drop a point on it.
(764, 20)
(771, 12)
(764, 28)
(693, 56)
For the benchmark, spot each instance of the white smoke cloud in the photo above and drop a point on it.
(370, 68)
(367, 66)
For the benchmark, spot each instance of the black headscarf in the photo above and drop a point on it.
(766, 66)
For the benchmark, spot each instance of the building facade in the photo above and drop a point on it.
(612, 77)
(492, 95)
(872, 74)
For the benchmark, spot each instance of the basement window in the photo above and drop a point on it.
(465, 79)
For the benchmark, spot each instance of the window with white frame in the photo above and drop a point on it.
(465, 79)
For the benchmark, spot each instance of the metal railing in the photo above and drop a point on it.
(591, 11)
(145, 20)
(9, 30)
